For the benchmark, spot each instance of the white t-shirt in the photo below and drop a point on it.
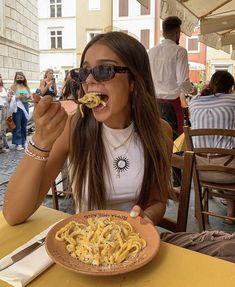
(124, 176)
(3, 97)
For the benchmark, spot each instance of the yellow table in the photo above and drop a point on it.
(173, 266)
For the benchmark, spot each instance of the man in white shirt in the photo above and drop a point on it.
(170, 72)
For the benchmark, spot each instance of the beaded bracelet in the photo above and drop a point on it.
(35, 156)
(37, 147)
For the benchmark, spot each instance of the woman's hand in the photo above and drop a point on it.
(137, 211)
(50, 119)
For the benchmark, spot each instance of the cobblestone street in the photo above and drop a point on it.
(8, 162)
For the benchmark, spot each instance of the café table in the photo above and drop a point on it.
(172, 266)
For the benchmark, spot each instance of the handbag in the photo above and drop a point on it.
(10, 123)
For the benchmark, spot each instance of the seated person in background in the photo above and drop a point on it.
(70, 88)
(48, 84)
(215, 108)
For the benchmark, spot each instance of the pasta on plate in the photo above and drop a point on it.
(103, 241)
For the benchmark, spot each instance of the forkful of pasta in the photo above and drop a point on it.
(91, 100)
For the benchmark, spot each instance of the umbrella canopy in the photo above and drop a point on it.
(145, 3)
(216, 18)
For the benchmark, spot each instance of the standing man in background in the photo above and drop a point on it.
(170, 72)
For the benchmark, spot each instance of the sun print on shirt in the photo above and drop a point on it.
(121, 164)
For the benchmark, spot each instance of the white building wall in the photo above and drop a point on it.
(60, 60)
(135, 22)
(66, 25)
(217, 60)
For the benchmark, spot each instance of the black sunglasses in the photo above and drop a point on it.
(104, 72)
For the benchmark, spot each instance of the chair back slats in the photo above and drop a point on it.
(214, 151)
(64, 182)
(208, 160)
(215, 168)
(203, 132)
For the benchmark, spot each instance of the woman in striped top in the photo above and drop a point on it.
(215, 108)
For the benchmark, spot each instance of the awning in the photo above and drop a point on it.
(145, 3)
(216, 19)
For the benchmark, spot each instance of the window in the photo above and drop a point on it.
(144, 38)
(55, 8)
(193, 45)
(224, 67)
(56, 39)
(145, 11)
(123, 8)
(92, 34)
(94, 4)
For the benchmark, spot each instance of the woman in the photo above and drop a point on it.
(22, 95)
(215, 108)
(3, 115)
(119, 153)
(70, 88)
(48, 84)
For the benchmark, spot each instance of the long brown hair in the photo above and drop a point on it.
(47, 71)
(88, 157)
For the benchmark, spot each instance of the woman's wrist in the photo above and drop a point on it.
(36, 154)
(39, 144)
(32, 143)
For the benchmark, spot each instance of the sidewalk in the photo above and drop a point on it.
(8, 163)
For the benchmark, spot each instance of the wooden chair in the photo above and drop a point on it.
(60, 187)
(182, 195)
(63, 180)
(204, 190)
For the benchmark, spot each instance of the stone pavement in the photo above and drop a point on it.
(8, 162)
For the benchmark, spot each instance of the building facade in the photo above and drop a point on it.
(93, 17)
(136, 20)
(19, 43)
(57, 36)
(219, 60)
(146, 26)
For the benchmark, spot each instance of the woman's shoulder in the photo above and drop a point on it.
(13, 87)
(43, 82)
(166, 128)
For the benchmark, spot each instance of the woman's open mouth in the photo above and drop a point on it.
(93, 100)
